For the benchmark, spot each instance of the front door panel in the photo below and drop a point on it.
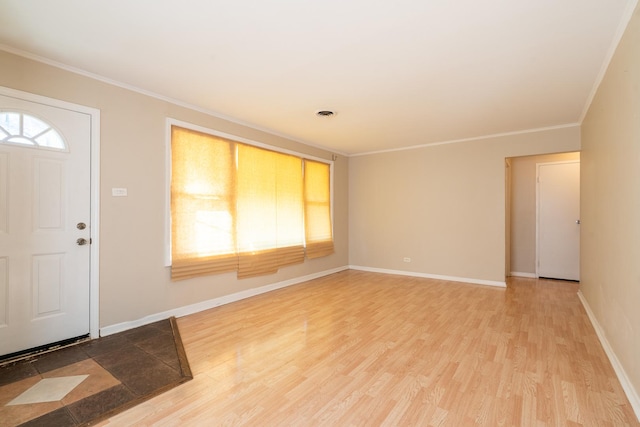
(44, 193)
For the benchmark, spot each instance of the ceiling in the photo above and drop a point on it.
(397, 73)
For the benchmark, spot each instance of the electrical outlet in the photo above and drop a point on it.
(406, 259)
(119, 192)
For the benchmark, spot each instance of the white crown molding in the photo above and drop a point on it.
(103, 79)
(475, 138)
(622, 26)
(230, 119)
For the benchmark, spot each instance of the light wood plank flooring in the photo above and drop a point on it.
(366, 349)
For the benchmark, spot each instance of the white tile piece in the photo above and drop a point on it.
(48, 390)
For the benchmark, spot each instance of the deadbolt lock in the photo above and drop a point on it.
(81, 226)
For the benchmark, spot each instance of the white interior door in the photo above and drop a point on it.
(558, 220)
(45, 207)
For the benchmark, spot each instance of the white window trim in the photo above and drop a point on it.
(167, 208)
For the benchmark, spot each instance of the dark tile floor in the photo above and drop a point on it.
(118, 371)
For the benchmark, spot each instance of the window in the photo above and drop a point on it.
(26, 130)
(317, 209)
(238, 207)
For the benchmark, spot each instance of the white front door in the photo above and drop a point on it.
(558, 220)
(45, 211)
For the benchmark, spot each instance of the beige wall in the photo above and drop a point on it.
(133, 280)
(523, 209)
(442, 206)
(610, 204)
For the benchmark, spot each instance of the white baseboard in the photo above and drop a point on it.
(215, 302)
(431, 276)
(520, 274)
(628, 388)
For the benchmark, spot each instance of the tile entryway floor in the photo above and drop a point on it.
(87, 382)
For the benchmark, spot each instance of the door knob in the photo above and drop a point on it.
(82, 241)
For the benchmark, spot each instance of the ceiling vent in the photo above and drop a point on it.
(325, 113)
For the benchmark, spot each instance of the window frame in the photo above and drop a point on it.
(35, 144)
(169, 122)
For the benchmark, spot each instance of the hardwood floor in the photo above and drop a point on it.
(366, 349)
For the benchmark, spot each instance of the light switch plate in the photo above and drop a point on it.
(118, 192)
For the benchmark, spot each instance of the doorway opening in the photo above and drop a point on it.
(521, 234)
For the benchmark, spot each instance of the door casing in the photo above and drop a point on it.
(94, 274)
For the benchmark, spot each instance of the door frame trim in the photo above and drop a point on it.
(94, 265)
(538, 206)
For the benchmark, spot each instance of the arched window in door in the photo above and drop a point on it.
(24, 129)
